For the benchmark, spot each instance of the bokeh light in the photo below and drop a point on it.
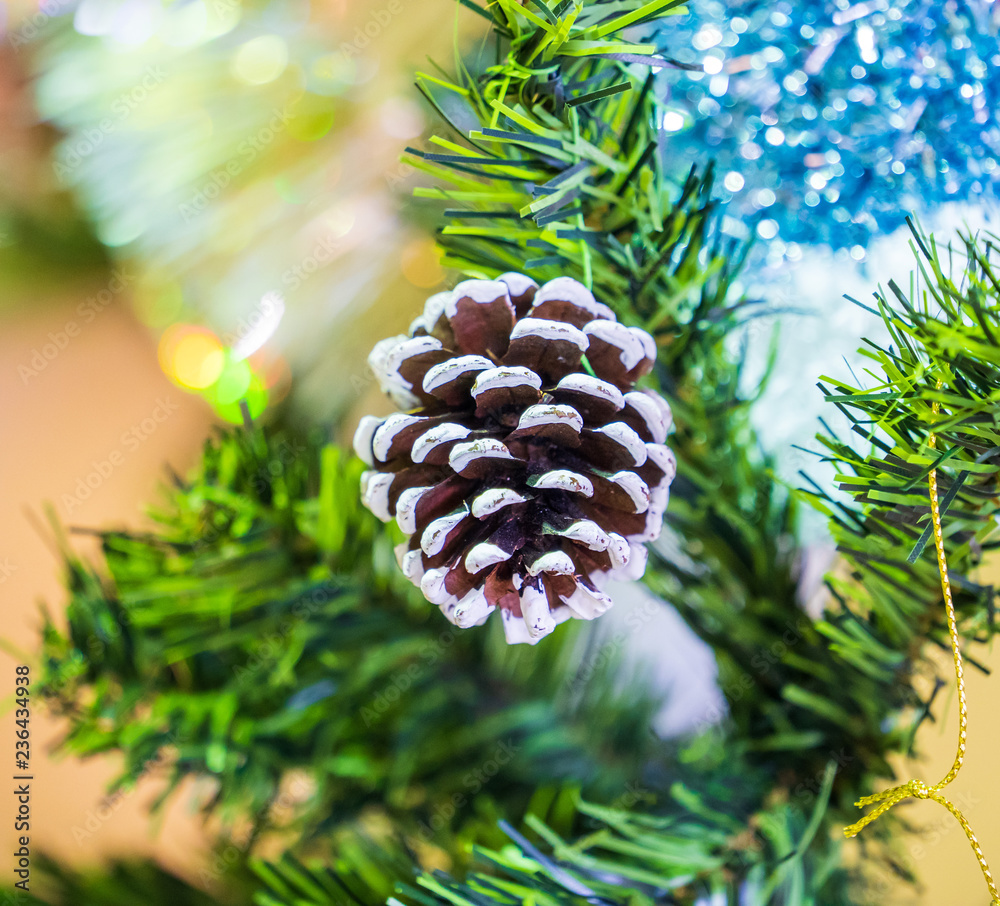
(312, 117)
(420, 264)
(255, 398)
(191, 356)
(260, 60)
(845, 116)
(198, 361)
(233, 382)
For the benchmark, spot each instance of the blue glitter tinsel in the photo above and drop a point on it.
(830, 121)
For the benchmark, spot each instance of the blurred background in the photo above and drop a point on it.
(203, 202)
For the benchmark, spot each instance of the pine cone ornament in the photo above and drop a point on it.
(526, 468)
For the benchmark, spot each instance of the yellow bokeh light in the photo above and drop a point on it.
(191, 356)
(420, 264)
(168, 344)
(312, 117)
(261, 60)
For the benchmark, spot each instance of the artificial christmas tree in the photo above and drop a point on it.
(551, 159)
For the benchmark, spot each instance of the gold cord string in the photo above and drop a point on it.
(916, 788)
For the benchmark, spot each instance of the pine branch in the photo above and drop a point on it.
(843, 687)
(262, 636)
(556, 166)
(123, 883)
(622, 857)
(944, 351)
(365, 873)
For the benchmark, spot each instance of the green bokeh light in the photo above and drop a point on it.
(256, 397)
(233, 383)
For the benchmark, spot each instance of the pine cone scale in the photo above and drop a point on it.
(481, 317)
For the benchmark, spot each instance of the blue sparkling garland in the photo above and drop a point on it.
(830, 121)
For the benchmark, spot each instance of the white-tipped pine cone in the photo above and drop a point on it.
(525, 479)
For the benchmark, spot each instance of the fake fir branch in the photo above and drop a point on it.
(122, 884)
(944, 351)
(263, 637)
(553, 164)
